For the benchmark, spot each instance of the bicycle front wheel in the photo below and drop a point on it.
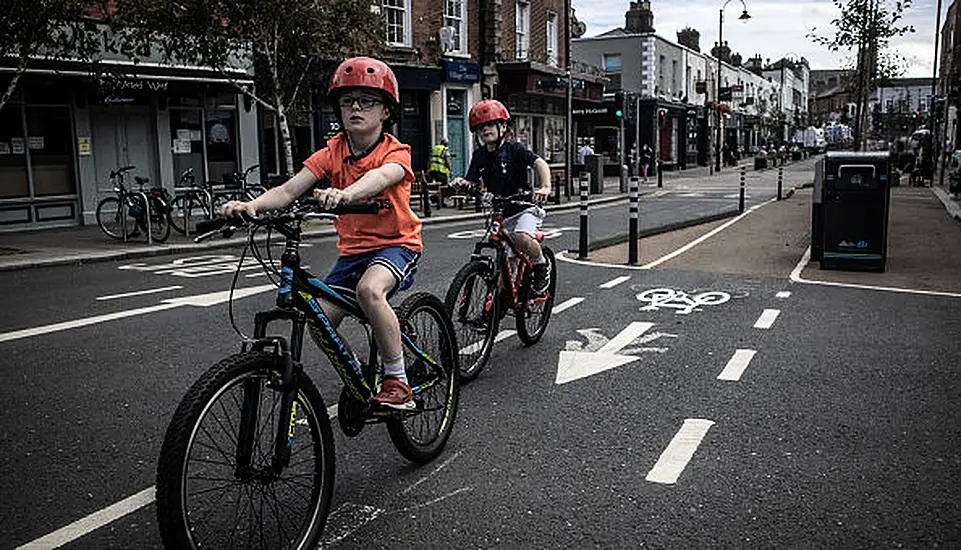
(431, 361)
(474, 310)
(534, 311)
(215, 484)
(113, 219)
(186, 211)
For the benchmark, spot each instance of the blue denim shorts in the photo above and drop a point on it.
(348, 270)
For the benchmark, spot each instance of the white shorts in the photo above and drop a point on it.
(529, 221)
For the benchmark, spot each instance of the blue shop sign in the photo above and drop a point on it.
(461, 71)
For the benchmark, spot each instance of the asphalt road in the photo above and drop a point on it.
(838, 430)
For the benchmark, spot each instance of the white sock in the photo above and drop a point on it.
(394, 368)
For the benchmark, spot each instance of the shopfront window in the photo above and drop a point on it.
(554, 139)
(220, 125)
(13, 154)
(186, 132)
(48, 140)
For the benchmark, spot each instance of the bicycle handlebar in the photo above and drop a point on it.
(302, 209)
(121, 170)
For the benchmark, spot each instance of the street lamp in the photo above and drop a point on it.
(717, 95)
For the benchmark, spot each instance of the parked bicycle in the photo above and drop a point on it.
(248, 457)
(489, 286)
(123, 217)
(196, 203)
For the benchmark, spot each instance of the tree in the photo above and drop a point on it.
(44, 29)
(866, 27)
(288, 43)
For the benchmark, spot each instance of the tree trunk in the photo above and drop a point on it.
(13, 83)
(285, 138)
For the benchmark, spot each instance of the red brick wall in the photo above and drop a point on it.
(537, 41)
(427, 17)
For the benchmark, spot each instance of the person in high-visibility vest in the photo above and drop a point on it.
(439, 167)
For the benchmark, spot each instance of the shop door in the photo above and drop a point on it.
(457, 132)
(413, 129)
(122, 137)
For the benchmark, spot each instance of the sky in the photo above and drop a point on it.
(777, 28)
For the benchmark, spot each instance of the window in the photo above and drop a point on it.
(612, 62)
(398, 22)
(454, 17)
(552, 39)
(673, 76)
(522, 24)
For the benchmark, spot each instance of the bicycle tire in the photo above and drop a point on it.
(110, 219)
(301, 492)
(533, 313)
(421, 434)
(194, 209)
(471, 297)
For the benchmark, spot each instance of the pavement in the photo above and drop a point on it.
(85, 244)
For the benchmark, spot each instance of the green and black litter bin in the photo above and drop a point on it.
(855, 199)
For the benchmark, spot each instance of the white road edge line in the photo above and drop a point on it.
(706, 236)
(66, 325)
(806, 258)
(679, 451)
(614, 282)
(111, 513)
(737, 365)
(93, 522)
(138, 293)
(563, 256)
(767, 318)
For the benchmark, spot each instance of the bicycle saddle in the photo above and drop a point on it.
(141, 181)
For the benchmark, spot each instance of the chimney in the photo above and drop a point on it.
(690, 38)
(639, 18)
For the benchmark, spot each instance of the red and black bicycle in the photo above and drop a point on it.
(496, 281)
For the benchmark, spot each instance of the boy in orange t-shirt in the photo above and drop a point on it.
(376, 253)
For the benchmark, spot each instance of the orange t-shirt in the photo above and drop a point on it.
(359, 233)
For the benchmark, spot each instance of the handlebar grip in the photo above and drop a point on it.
(363, 207)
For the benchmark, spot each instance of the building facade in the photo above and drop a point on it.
(64, 131)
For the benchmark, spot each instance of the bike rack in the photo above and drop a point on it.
(146, 201)
(183, 191)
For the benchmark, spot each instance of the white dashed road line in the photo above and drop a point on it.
(784, 294)
(737, 365)
(139, 293)
(679, 451)
(767, 318)
(614, 282)
(569, 303)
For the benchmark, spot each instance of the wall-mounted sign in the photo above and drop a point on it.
(461, 71)
(83, 146)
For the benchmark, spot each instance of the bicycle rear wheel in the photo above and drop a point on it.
(112, 218)
(533, 312)
(159, 221)
(190, 209)
(474, 310)
(207, 498)
(421, 434)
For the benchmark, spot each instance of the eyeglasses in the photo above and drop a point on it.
(364, 102)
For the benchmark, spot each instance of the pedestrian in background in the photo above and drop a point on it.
(647, 158)
(439, 168)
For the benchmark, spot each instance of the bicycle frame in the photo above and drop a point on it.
(299, 301)
(501, 242)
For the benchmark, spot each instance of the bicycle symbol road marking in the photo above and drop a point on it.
(684, 303)
(549, 233)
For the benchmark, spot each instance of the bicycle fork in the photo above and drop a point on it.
(289, 356)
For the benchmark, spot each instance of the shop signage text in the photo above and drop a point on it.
(461, 71)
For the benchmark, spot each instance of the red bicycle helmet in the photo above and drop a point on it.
(486, 111)
(365, 72)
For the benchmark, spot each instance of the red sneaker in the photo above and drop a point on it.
(395, 394)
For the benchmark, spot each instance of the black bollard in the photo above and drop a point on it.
(582, 245)
(780, 180)
(660, 174)
(740, 200)
(632, 225)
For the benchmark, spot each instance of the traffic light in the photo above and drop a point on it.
(661, 115)
(619, 104)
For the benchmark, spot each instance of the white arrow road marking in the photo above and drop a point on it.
(138, 293)
(679, 451)
(201, 300)
(614, 282)
(595, 340)
(737, 365)
(574, 365)
(767, 318)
